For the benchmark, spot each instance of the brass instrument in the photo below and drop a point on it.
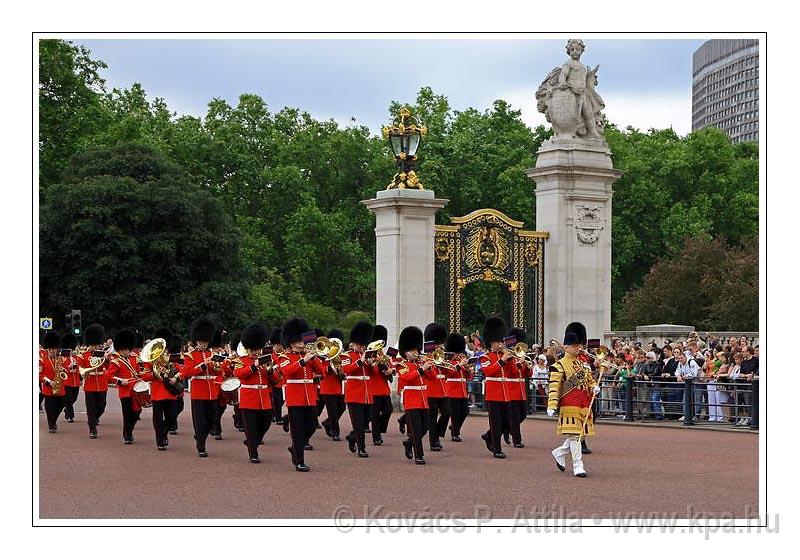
(60, 375)
(439, 360)
(520, 350)
(94, 363)
(603, 366)
(329, 349)
(155, 353)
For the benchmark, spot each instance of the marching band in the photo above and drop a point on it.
(312, 373)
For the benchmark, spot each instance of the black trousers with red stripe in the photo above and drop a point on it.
(69, 400)
(498, 418)
(52, 407)
(256, 423)
(95, 407)
(334, 404)
(439, 410)
(358, 419)
(302, 425)
(165, 414)
(417, 425)
(459, 409)
(204, 415)
(129, 417)
(381, 412)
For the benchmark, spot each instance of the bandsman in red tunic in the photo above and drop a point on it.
(456, 383)
(411, 386)
(356, 366)
(95, 382)
(298, 367)
(517, 391)
(165, 386)
(72, 386)
(52, 376)
(495, 365)
(380, 376)
(258, 375)
(220, 367)
(205, 382)
(570, 392)
(123, 371)
(435, 379)
(330, 389)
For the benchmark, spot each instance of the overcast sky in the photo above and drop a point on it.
(645, 83)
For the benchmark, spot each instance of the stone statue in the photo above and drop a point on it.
(569, 101)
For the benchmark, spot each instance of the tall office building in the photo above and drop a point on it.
(725, 87)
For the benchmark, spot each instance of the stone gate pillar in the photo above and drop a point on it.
(573, 203)
(404, 268)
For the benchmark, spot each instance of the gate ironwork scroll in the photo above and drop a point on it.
(488, 245)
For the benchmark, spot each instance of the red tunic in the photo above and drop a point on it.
(330, 384)
(299, 380)
(435, 380)
(95, 381)
(205, 381)
(411, 387)
(495, 380)
(456, 382)
(158, 391)
(378, 385)
(74, 375)
(47, 373)
(516, 380)
(256, 390)
(356, 381)
(120, 370)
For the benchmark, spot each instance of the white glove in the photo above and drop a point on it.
(551, 411)
(596, 389)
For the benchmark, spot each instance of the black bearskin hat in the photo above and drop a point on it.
(94, 334)
(435, 332)
(254, 337)
(410, 339)
(494, 329)
(217, 341)
(164, 333)
(275, 336)
(455, 343)
(575, 333)
(125, 339)
(174, 344)
(51, 340)
(361, 333)
(69, 340)
(519, 334)
(292, 331)
(202, 330)
(336, 333)
(380, 333)
(235, 339)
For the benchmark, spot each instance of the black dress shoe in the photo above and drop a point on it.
(336, 438)
(377, 442)
(128, 441)
(327, 428)
(402, 425)
(173, 432)
(419, 461)
(351, 443)
(363, 454)
(519, 445)
(561, 467)
(285, 426)
(162, 448)
(302, 467)
(585, 448)
(202, 453)
(70, 420)
(240, 429)
(456, 438)
(255, 460)
(581, 475)
(51, 430)
(294, 458)
(499, 455)
(506, 439)
(408, 449)
(437, 447)
(488, 441)
(92, 435)
(308, 447)
(367, 430)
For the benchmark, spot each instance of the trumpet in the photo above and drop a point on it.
(602, 365)
(520, 350)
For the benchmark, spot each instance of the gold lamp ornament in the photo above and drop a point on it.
(405, 135)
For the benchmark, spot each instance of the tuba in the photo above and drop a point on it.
(155, 353)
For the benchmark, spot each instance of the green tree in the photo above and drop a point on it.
(138, 248)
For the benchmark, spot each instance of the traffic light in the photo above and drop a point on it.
(68, 322)
(76, 321)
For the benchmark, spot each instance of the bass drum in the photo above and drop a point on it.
(229, 389)
(141, 392)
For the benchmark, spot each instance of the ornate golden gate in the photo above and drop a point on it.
(488, 245)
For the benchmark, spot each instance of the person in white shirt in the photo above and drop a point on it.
(687, 369)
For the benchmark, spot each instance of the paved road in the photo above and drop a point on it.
(635, 471)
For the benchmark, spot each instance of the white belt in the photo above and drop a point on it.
(496, 379)
(356, 378)
(96, 373)
(254, 386)
(522, 380)
(415, 387)
(205, 377)
(440, 376)
(456, 380)
(299, 381)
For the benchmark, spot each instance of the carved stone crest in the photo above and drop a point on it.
(588, 223)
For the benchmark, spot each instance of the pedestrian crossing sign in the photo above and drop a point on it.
(46, 323)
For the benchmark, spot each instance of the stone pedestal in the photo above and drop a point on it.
(573, 203)
(404, 268)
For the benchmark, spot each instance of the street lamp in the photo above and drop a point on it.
(404, 137)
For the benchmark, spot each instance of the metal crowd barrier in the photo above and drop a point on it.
(709, 403)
